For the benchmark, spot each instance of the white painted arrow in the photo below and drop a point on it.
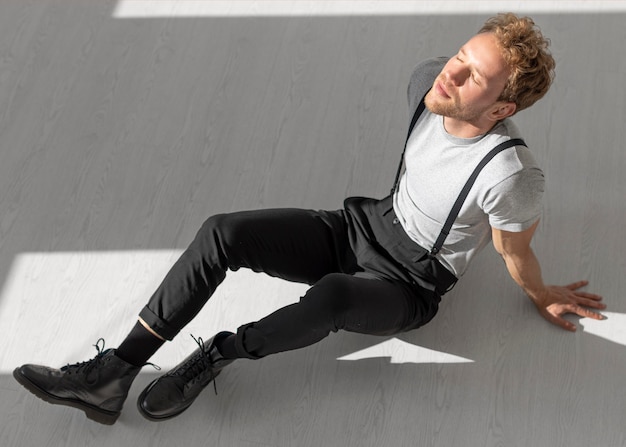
(402, 352)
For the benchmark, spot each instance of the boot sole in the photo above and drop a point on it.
(94, 413)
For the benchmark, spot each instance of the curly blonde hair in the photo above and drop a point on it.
(525, 50)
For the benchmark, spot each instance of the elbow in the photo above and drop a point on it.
(517, 256)
(500, 249)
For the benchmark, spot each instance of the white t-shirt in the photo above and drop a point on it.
(506, 195)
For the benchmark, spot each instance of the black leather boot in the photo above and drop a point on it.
(175, 391)
(98, 386)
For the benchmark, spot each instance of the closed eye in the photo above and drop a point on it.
(473, 74)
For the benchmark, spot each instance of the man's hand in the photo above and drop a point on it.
(556, 301)
(552, 301)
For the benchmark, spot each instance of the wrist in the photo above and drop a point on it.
(537, 295)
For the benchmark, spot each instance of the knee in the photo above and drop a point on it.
(213, 224)
(217, 229)
(214, 239)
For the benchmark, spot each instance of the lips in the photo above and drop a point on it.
(439, 87)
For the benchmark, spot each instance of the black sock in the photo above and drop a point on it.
(225, 344)
(138, 346)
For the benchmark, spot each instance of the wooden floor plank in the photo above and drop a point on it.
(118, 137)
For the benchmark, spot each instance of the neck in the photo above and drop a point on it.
(467, 129)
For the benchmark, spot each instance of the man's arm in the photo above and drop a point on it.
(552, 301)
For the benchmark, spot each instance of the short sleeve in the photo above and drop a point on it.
(515, 203)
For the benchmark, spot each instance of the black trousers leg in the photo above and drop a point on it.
(296, 245)
(354, 303)
(385, 295)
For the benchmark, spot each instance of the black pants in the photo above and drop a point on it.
(367, 276)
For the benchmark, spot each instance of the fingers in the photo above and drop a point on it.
(577, 285)
(583, 312)
(588, 299)
(555, 316)
(591, 296)
(562, 322)
(568, 326)
(578, 310)
(591, 302)
(568, 300)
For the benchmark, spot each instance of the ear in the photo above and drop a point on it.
(502, 110)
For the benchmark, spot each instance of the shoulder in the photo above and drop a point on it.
(514, 184)
(429, 68)
(422, 79)
(515, 203)
(510, 161)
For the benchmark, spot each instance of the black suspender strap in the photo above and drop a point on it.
(466, 189)
(456, 208)
(416, 115)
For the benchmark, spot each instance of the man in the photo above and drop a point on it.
(371, 265)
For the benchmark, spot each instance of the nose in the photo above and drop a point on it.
(457, 74)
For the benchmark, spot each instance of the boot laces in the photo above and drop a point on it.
(197, 366)
(86, 367)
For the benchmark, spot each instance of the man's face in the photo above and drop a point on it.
(470, 84)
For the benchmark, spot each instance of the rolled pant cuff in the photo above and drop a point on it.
(157, 324)
(239, 344)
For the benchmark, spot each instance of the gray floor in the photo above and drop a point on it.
(118, 137)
